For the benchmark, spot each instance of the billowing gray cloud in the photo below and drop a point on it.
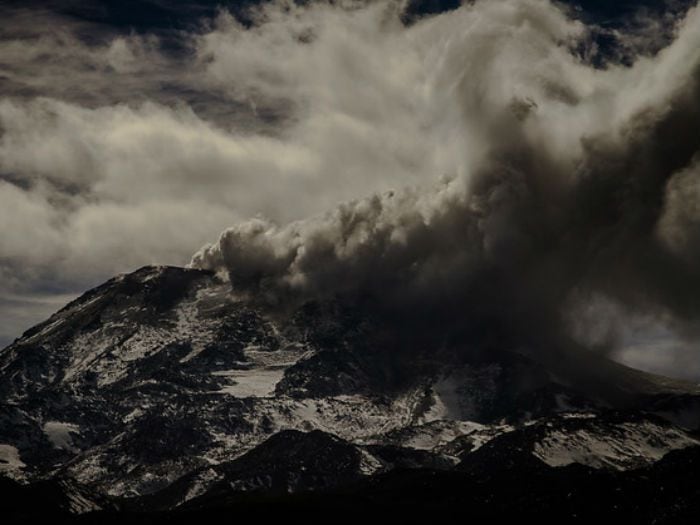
(569, 184)
(489, 171)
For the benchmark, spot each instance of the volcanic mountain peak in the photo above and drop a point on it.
(165, 387)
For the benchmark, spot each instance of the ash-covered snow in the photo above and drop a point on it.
(78, 503)
(117, 345)
(60, 434)
(260, 371)
(438, 435)
(459, 394)
(10, 461)
(627, 445)
(369, 464)
(251, 383)
(201, 483)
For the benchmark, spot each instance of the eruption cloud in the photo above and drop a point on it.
(537, 184)
(506, 176)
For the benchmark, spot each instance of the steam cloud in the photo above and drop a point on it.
(496, 178)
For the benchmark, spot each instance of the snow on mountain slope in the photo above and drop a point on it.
(623, 446)
(60, 434)
(219, 431)
(440, 435)
(10, 461)
(609, 440)
(260, 371)
(164, 378)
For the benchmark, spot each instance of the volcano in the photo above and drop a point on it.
(163, 395)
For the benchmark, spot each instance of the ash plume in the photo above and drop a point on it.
(563, 184)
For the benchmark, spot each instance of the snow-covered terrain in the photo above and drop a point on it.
(164, 384)
(627, 445)
(260, 371)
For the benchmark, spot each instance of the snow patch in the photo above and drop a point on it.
(266, 369)
(59, 433)
(10, 459)
(44, 331)
(251, 383)
(369, 465)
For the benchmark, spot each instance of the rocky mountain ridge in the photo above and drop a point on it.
(160, 389)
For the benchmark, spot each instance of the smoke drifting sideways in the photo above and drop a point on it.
(556, 187)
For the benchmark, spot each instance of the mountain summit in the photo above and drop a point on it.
(161, 390)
